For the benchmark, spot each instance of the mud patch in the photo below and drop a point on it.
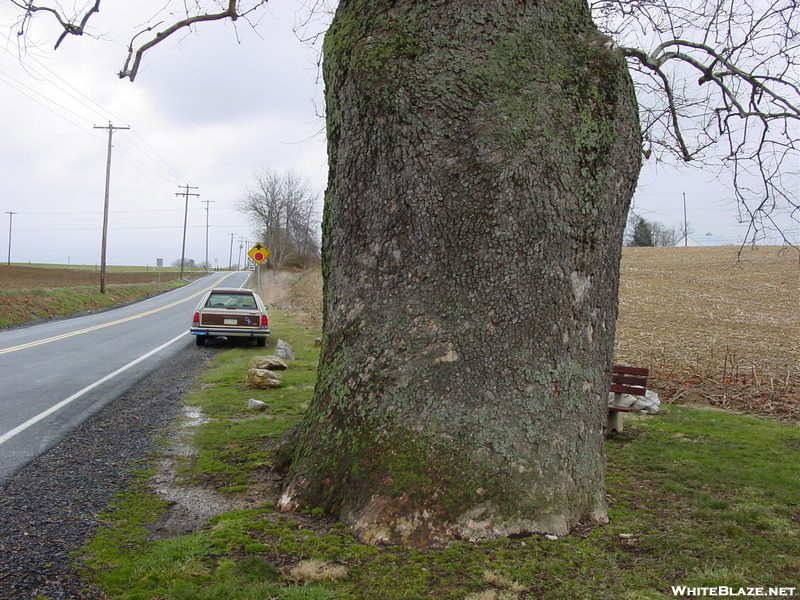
(191, 506)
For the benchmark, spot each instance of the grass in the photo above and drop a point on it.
(34, 293)
(111, 268)
(698, 497)
(19, 307)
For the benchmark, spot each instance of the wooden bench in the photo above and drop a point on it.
(624, 380)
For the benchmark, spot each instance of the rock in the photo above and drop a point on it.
(254, 404)
(271, 363)
(284, 350)
(649, 403)
(263, 379)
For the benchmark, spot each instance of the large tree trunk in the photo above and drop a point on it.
(482, 160)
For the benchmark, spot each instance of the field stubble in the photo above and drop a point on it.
(714, 325)
(16, 278)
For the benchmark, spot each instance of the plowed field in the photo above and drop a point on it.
(31, 278)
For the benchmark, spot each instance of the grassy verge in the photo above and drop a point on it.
(23, 306)
(699, 498)
(112, 268)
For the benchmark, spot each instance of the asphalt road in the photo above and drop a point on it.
(53, 376)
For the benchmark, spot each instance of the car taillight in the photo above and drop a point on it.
(196, 318)
(264, 321)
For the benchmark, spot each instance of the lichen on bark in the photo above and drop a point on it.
(482, 160)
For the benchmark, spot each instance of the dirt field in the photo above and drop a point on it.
(714, 325)
(31, 278)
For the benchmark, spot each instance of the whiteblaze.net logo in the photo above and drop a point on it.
(725, 591)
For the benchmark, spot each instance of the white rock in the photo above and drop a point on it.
(284, 350)
(649, 403)
(254, 404)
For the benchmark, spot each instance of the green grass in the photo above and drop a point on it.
(697, 498)
(112, 268)
(18, 307)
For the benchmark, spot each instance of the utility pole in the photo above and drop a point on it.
(241, 247)
(230, 256)
(207, 202)
(111, 128)
(685, 224)
(186, 193)
(10, 214)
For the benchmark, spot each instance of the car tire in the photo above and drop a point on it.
(261, 342)
(200, 340)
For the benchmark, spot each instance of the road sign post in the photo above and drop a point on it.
(258, 254)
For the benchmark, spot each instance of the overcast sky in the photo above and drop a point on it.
(207, 110)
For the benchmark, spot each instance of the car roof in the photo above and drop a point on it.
(228, 290)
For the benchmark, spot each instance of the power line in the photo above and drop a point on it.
(157, 155)
(142, 228)
(60, 116)
(103, 113)
(168, 172)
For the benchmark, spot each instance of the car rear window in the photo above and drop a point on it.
(231, 300)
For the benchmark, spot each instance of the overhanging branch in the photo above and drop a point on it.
(69, 26)
(673, 110)
(134, 58)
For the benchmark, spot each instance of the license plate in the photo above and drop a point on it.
(231, 321)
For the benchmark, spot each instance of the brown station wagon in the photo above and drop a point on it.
(230, 312)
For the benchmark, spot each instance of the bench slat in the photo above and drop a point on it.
(630, 370)
(626, 380)
(627, 389)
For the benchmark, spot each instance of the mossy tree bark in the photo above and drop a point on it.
(482, 160)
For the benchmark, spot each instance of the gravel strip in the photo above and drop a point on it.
(48, 509)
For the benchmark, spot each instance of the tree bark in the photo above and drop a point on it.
(482, 160)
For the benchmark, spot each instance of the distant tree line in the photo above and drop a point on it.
(642, 232)
(283, 208)
(189, 263)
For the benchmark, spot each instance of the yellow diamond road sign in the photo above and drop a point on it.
(258, 253)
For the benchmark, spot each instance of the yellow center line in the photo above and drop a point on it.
(109, 324)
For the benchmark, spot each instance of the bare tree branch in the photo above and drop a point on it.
(75, 26)
(717, 83)
(129, 70)
(69, 26)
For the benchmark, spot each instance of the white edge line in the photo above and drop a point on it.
(30, 422)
